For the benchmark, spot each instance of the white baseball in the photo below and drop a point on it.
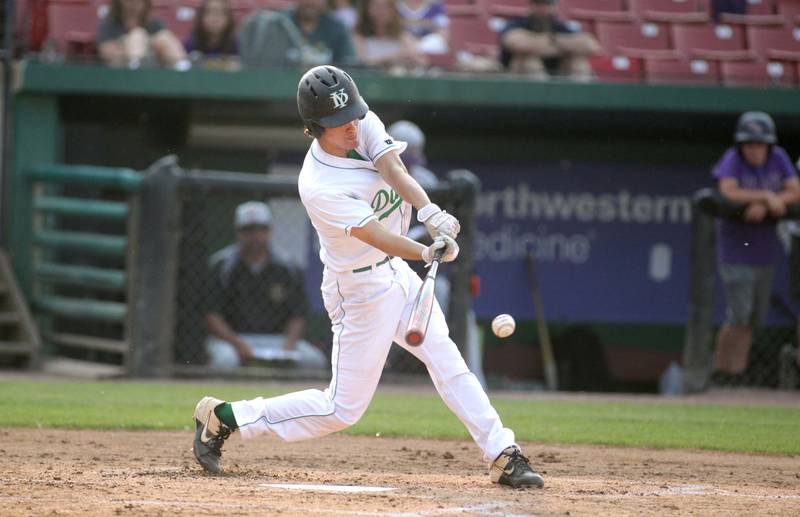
(503, 325)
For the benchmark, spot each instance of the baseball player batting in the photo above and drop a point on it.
(358, 196)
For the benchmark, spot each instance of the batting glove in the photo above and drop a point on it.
(448, 244)
(438, 222)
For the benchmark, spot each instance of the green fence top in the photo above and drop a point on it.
(449, 90)
(121, 178)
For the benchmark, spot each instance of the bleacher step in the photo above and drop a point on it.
(9, 318)
(15, 348)
(92, 342)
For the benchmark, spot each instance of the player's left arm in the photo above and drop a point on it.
(791, 191)
(436, 220)
(374, 234)
(391, 168)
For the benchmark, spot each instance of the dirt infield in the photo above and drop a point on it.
(61, 472)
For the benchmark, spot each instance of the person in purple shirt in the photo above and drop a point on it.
(758, 173)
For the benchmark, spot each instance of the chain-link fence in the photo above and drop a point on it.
(246, 287)
(772, 357)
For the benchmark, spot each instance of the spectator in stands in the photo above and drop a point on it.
(324, 33)
(541, 45)
(256, 302)
(129, 36)
(345, 11)
(427, 21)
(728, 6)
(214, 31)
(380, 39)
(757, 173)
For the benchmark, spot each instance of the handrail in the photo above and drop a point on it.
(122, 178)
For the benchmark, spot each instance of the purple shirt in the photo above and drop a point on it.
(424, 20)
(739, 242)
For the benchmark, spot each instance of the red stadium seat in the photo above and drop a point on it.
(506, 8)
(760, 7)
(73, 24)
(673, 11)
(618, 69)
(758, 74)
(775, 42)
(711, 41)
(595, 10)
(179, 15)
(790, 9)
(274, 5)
(678, 71)
(474, 35)
(634, 39)
(759, 12)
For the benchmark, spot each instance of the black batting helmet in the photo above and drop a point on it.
(328, 97)
(755, 126)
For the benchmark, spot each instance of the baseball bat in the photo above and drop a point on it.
(550, 372)
(423, 305)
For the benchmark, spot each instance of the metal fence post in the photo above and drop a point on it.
(698, 351)
(466, 184)
(154, 272)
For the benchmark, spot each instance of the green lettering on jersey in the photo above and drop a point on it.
(386, 202)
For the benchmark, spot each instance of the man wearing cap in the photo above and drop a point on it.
(541, 45)
(758, 174)
(256, 304)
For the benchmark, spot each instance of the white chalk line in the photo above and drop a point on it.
(348, 489)
(492, 509)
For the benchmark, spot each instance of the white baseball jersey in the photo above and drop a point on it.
(369, 301)
(345, 193)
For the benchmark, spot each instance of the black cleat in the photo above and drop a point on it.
(513, 469)
(209, 436)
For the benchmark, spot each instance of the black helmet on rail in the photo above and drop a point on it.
(755, 126)
(328, 97)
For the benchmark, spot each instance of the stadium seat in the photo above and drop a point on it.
(710, 41)
(759, 12)
(680, 71)
(274, 5)
(790, 9)
(506, 8)
(635, 39)
(596, 10)
(760, 7)
(618, 69)
(73, 24)
(758, 74)
(672, 11)
(179, 15)
(474, 35)
(775, 42)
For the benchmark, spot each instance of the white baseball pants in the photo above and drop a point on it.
(368, 311)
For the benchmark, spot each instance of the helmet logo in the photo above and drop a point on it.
(340, 99)
(756, 127)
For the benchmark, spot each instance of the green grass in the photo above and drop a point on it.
(132, 405)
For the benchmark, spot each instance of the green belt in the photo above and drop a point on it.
(368, 268)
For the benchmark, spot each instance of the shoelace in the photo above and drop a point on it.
(516, 456)
(215, 444)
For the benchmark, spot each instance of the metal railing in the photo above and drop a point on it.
(82, 256)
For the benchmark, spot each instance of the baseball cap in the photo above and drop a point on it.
(252, 213)
(407, 132)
